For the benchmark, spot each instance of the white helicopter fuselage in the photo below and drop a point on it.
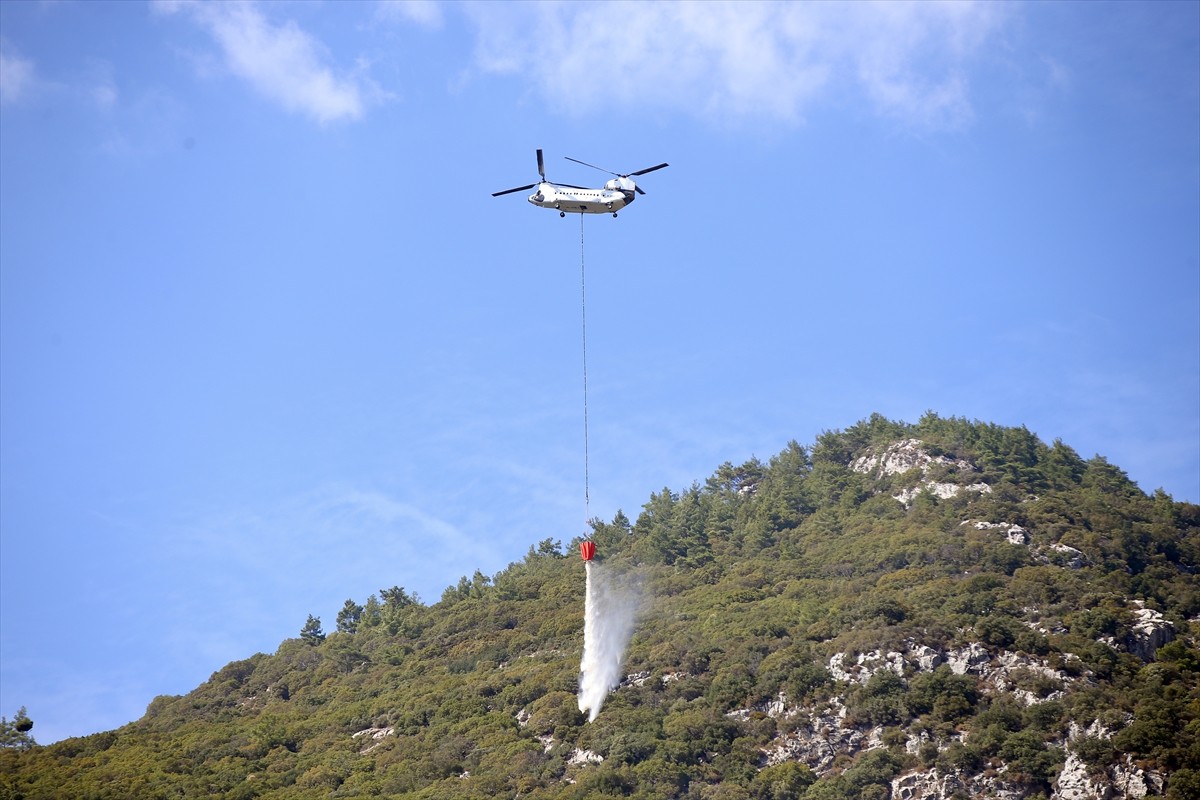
(562, 197)
(608, 200)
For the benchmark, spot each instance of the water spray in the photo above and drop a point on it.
(609, 612)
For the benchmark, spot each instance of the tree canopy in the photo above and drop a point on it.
(947, 600)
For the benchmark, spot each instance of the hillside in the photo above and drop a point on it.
(939, 609)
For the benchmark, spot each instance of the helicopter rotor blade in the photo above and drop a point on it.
(638, 189)
(593, 166)
(541, 164)
(649, 169)
(518, 189)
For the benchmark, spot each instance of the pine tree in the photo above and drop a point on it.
(311, 632)
(349, 617)
(15, 734)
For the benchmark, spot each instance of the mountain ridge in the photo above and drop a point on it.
(939, 609)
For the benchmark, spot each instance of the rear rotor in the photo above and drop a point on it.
(637, 188)
(541, 172)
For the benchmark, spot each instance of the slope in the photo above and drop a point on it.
(940, 609)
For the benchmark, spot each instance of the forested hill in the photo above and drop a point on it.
(940, 609)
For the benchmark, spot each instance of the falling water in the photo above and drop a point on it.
(610, 609)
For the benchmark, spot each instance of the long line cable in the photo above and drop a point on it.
(583, 316)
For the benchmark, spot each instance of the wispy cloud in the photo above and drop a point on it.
(426, 13)
(103, 89)
(366, 534)
(16, 76)
(280, 60)
(743, 61)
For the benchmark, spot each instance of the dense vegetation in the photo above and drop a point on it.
(752, 582)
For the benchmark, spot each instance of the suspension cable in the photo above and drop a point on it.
(583, 317)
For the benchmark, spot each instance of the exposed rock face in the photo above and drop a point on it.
(820, 741)
(928, 785)
(972, 658)
(823, 734)
(819, 736)
(942, 491)
(580, 757)
(1057, 553)
(636, 679)
(1130, 780)
(933, 784)
(910, 454)
(1013, 534)
(1123, 780)
(1004, 672)
(1150, 631)
(1064, 554)
(375, 735)
(905, 455)
(860, 668)
(775, 709)
(864, 665)
(1074, 783)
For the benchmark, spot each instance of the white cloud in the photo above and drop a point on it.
(103, 91)
(742, 61)
(16, 77)
(426, 13)
(362, 534)
(281, 61)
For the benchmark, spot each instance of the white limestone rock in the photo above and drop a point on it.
(1151, 630)
(636, 679)
(820, 741)
(910, 454)
(1064, 554)
(969, 659)
(580, 757)
(373, 737)
(864, 665)
(928, 785)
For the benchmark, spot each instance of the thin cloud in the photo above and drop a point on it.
(103, 92)
(16, 77)
(365, 533)
(281, 61)
(426, 13)
(742, 61)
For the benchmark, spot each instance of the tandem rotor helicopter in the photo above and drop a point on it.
(615, 195)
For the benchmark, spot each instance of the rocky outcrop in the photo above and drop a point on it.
(927, 785)
(372, 738)
(818, 735)
(1151, 630)
(1063, 555)
(580, 757)
(1122, 780)
(936, 785)
(1013, 534)
(904, 456)
(860, 668)
(820, 739)
(1006, 671)
(909, 455)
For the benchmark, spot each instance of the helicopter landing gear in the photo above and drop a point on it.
(562, 213)
(614, 215)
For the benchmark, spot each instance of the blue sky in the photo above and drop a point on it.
(267, 342)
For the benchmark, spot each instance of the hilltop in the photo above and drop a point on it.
(940, 609)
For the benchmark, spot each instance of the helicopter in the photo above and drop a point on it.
(615, 195)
